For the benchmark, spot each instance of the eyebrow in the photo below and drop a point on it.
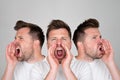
(18, 37)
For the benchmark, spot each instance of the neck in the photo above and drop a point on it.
(36, 56)
(84, 57)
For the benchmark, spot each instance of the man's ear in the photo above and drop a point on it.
(36, 42)
(79, 45)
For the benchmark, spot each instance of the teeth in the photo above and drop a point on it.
(17, 48)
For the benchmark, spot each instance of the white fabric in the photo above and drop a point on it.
(22, 71)
(99, 70)
(81, 70)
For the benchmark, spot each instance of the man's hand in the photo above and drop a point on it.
(10, 54)
(68, 58)
(11, 62)
(53, 62)
(109, 60)
(108, 56)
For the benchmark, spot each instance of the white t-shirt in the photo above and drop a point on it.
(81, 70)
(99, 70)
(22, 71)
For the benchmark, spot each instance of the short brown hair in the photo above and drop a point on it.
(57, 24)
(79, 32)
(35, 31)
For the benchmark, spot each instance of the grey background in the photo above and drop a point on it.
(73, 12)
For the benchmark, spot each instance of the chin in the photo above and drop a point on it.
(99, 57)
(20, 59)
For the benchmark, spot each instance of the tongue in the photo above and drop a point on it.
(59, 53)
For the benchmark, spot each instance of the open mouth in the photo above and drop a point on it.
(102, 50)
(60, 54)
(17, 52)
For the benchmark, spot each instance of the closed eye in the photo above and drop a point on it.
(64, 39)
(53, 39)
(94, 37)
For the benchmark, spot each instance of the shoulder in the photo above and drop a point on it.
(81, 69)
(79, 64)
(98, 65)
(41, 64)
(97, 62)
(40, 70)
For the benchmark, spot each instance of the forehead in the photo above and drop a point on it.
(60, 31)
(92, 31)
(22, 31)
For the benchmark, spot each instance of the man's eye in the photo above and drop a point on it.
(53, 39)
(94, 37)
(20, 38)
(64, 39)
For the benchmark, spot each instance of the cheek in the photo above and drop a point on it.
(68, 44)
(27, 45)
(50, 42)
(90, 44)
(91, 48)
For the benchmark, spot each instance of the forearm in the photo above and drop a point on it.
(115, 73)
(51, 75)
(8, 74)
(69, 74)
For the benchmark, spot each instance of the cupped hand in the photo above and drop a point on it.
(54, 63)
(10, 51)
(68, 58)
(108, 56)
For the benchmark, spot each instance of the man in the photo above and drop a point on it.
(60, 63)
(24, 51)
(95, 50)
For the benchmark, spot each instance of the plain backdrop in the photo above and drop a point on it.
(73, 12)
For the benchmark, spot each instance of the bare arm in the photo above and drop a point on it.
(114, 71)
(51, 74)
(109, 60)
(69, 74)
(8, 75)
(66, 65)
(54, 64)
(11, 62)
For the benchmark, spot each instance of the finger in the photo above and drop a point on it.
(51, 57)
(107, 46)
(110, 47)
(13, 48)
(66, 50)
(51, 50)
(7, 49)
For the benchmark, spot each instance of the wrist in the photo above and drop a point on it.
(10, 66)
(66, 69)
(110, 64)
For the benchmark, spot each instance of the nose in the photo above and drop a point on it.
(16, 40)
(59, 42)
(100, 41)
